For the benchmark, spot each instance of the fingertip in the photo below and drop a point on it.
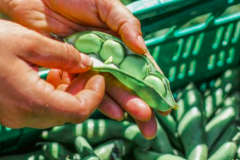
(86, 61)
(133, 39)
(150, 137)
(148, 129)
(111, 109)
(140, 110)
(54, 77)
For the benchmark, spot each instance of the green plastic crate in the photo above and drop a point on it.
(199, 52)
(144, 9)
(183, 14)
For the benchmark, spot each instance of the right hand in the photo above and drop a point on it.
(28, 101)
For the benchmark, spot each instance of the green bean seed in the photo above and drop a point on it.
(114, 50)
(88, 43)
(135, 65)
(157, 83)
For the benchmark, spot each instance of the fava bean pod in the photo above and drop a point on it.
(137, 72)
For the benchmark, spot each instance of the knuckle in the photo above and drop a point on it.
(135, 22)
(29, 42)
(81, 115)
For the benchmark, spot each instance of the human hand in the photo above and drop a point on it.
(28, 101)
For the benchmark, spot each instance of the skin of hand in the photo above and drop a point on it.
(28, 101)
(66, 17)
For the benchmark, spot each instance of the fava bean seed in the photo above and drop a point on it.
(90, 43)
(135, 65)
(113, 50)
(155, 81)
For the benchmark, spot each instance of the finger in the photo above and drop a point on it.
(91, 96)
(148, 129)
(135, 106)
(80, 107)
(54, 54)
(55, 77)
(165, 113)
(111, 109)
(68, 77)
(121, 20)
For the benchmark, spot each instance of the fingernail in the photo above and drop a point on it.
(142, 44)
(120, 119)
(86, 60)
(150, 137)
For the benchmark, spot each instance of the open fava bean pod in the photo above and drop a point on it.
(137, 72)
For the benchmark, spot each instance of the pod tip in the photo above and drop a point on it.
(175, 106)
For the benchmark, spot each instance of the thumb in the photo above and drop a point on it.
(50, 53)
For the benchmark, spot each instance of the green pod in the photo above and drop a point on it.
(189, 97)
(227, 151)
(140, 154)
(103, 151)
(234, 100)
(170, 125)
(224, 85)
(193, 135)
(135, 71)
(37, 155)
(56, 151)
(116, 153)
(200, 152)
(238, 151)
(227, 135)
(96, 131)
(161, 143)
(90, 158)
(133, 134)
(83, 147)
(218, 123)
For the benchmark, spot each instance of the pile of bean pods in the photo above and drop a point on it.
(205, 127)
